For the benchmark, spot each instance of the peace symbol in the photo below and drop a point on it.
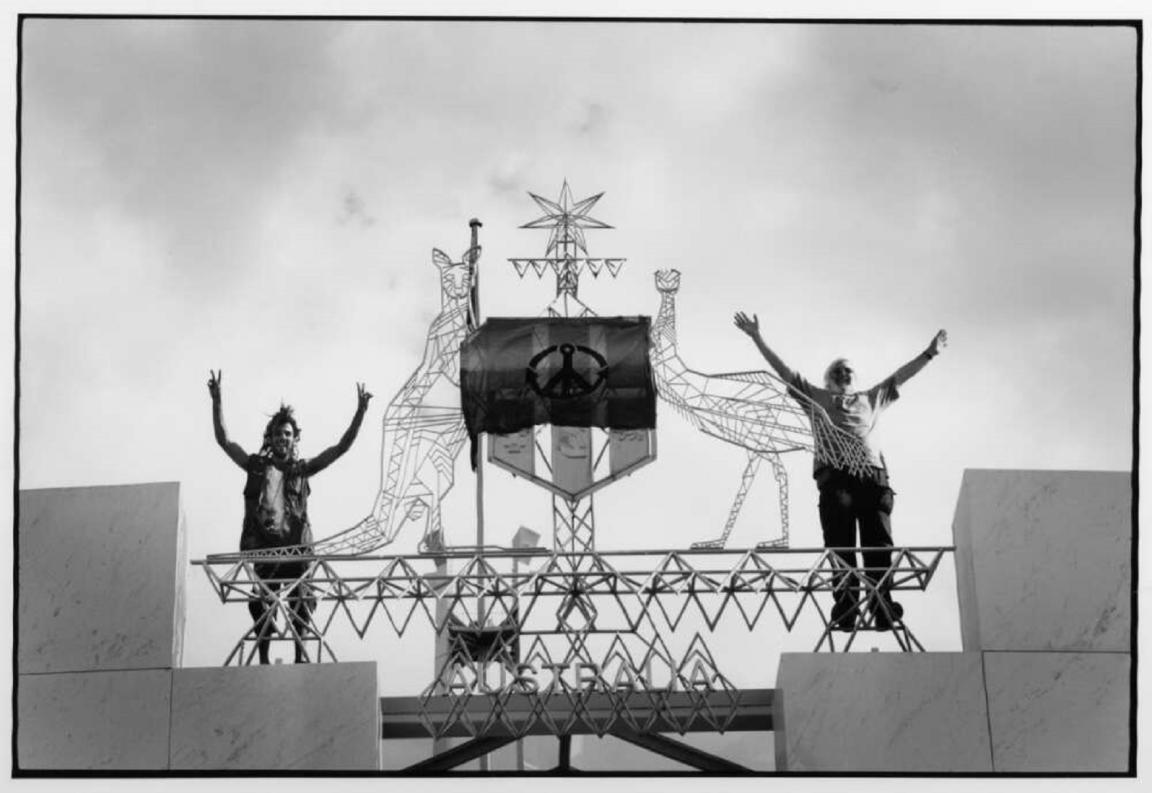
(567, 383)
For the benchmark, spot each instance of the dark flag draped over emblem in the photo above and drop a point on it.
(585, 372)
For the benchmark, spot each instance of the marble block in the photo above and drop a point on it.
(1043, 560)
(1058, 712)
(883, 712)
(105, 721)
(101, 572)
(300, 717)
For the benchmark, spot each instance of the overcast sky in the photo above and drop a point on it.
(263, 197)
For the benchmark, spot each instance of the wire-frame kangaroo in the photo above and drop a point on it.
(423, 430)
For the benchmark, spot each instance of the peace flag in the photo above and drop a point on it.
(577, 372)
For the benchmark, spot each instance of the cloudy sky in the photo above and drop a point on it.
(263, 197)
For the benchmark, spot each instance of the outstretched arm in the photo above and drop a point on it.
(333, 453)
(231, 448)
(752, 328)
(905, 372)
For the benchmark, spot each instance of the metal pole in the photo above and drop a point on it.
(515, 577)
(565, 753)
(440, 655)
(523, 538)
(480, 491)
(480, 616)
(440, 648)
(474, 308)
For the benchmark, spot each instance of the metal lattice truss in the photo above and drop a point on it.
(551, 643)
(573, 525)
(614, 592)
(556, 266)
(596, 684)
(752, 410)
(567, 219)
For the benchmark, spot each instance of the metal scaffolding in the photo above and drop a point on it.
(571, 640)
(609, 592)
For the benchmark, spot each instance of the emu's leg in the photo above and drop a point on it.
(745, 483)
(781, 475)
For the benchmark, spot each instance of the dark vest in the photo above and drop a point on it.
(254, 536)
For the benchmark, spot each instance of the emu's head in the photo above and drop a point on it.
(668, 280)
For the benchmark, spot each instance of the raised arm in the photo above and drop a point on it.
(231, 448)
(333, 453)
(752, 328)
(906, 372)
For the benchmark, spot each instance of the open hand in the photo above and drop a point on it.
(362, 397)
(214, 383)
(749, 326)
(939, 341)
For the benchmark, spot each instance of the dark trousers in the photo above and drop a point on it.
(847, 501)
(301, 603)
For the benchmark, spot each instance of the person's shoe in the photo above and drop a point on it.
(885, 612)
(844, 612)
(432, 543)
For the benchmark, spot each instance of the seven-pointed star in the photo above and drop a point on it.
(567, 220)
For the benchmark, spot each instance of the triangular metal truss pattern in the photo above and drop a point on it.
(667, 585)
(578, 265)
(569, 643)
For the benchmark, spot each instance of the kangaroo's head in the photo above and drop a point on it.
(455, 277)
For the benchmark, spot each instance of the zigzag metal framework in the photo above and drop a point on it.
(606, 688)
(579, 640)
(631, 587)
(612, 609)
(752, 410)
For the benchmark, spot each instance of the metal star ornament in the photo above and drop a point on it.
(566, 219)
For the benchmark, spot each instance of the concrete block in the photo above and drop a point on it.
(884, 712)
(313, 717)
(101, 578)
(1058, 712)
(1043, 560)
(107, 721)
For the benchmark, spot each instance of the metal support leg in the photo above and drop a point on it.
(445, 761)
(565, 763)
(678, 751)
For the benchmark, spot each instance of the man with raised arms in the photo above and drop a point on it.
(851, 495)
(276, 506)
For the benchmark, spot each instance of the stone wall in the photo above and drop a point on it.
(100, 632)
(1044, 583)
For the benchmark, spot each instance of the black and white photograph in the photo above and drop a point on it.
(496, 396)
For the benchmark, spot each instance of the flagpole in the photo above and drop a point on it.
(474, 311)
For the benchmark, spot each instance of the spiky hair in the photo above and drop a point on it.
(282, 416)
